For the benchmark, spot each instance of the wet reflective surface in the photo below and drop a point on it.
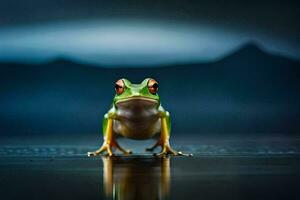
(264, 169)
(136, 177)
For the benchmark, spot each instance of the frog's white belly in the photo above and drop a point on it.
(137, 119)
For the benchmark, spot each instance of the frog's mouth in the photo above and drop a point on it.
(137, 102)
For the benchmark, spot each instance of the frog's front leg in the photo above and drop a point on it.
(163, 141)
(109, 139)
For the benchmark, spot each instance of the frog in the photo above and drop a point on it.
(136, 113)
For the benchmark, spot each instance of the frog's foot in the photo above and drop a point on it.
(125, 151)
(167, 150)
(105, 147)
(108, 148)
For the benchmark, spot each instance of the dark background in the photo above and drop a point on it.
(278, 17)
(251, 88)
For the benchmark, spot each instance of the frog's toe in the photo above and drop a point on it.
(105, 147)
(163, 154)
(127, 152)
(166, 151)
(109, 151)
(90, 154)
(169, 151)
(184, 154)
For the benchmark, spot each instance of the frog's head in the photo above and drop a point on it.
(130, 95)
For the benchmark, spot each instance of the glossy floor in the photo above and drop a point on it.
(219, 170)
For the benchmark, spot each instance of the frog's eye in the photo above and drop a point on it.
(120, 87)
(152, 86)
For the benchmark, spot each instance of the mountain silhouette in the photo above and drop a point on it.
(247, 92)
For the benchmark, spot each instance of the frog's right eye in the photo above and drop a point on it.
(120, 87)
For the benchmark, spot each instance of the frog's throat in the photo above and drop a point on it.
(137, 98)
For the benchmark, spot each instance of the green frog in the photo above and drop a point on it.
(136, 113)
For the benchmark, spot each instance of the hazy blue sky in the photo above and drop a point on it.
(144, 33)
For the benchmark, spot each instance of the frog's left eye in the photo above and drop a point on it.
(120, 87)
(152, 86)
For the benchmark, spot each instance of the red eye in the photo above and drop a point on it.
(152, 86)
(120, 87)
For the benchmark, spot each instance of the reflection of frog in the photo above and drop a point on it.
(136, 113)
(136, 177)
